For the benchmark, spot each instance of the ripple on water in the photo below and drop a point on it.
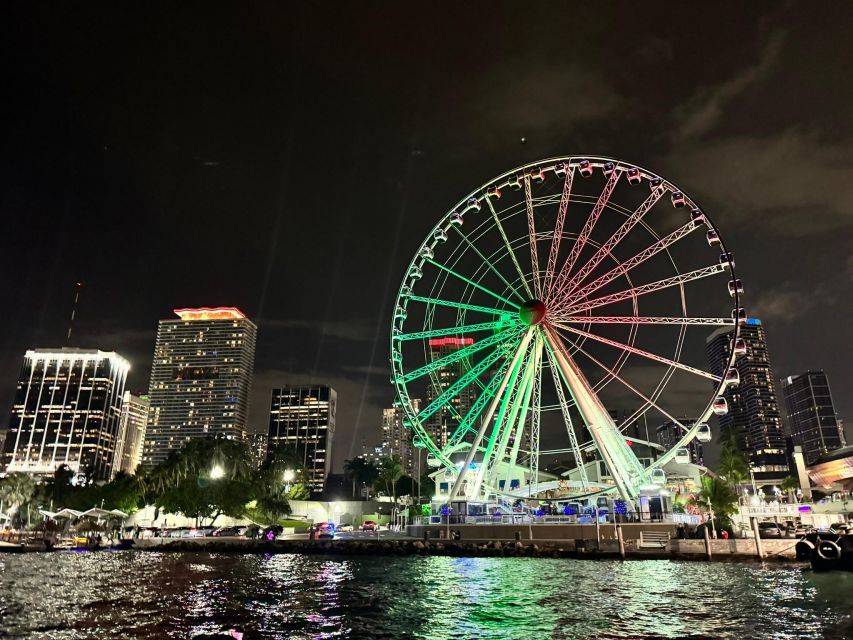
(196, 595)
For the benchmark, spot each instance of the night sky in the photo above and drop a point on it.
(289, 160)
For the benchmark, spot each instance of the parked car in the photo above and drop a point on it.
(325, 530)
(347, 528)
(228, 531)
(769, 530)
(369, 525)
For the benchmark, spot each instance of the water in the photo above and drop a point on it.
(202, 595)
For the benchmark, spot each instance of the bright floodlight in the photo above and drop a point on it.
(217, 472)
(289, 475)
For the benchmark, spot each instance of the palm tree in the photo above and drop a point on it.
(733, 466)
(790, 485)
(361, 473)
(391, 470)
(17, 489)
(719, 497)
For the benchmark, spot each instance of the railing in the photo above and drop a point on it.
(584, 518)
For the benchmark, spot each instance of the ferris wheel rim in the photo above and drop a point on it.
(573, 162)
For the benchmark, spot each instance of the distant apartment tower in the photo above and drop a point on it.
(302, 417)
(811, 414)
(753, 410)
(200, 379)
(67, 411)
(442, 423)
(669, 434)
(397, 437)
(258, 447)
(134, 420)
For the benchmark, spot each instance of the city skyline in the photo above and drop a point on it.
(179, 179)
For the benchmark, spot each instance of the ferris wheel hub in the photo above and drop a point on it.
(532, 312)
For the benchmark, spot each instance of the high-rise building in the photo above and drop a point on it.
(397, 437)
(669, 433)
(753, 410)
(442, 423)
(302, 417)
(131, 433)
(258, 447)
(67, 411)
(811, 414)
(200, 379)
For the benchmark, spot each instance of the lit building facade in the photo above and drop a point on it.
(258, 447)
(811, 414)
(669, 433)
(397, 437)
(134, 420)
(442, 423)
(302, 417)
(201, 379)
(67, 411)
(753, 410)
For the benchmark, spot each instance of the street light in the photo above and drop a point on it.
(217, 472)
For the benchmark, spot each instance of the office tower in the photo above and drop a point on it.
(669, 433)
(134, 419)
(258, 447)
(811, 414)
(397, 437)
(66, 411)
(753, 416)
(200, 379)
(302, 418)
(441, 425)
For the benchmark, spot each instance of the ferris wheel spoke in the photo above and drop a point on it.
(495, 451)
(631, 263)
(460, 354)
(461, 305)
(509, 250)
(550, 270)
(498, 325)
(585, 233)
(637, 351)
(533, 391)
(567, 420)
(716, 322)
(453, 390)
(531, 233)
(646, 289)
(476, 285)
(488, 263)
(649, 402)
(512, 370)
(608, 246)
(465, 425)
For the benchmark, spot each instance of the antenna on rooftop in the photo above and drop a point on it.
(77, 287)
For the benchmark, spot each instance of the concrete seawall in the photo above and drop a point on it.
(774, 550)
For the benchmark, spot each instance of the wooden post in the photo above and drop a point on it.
(621, 541)
(707, 542)
(597, 531)
(759, 551)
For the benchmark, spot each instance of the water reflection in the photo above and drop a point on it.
(148, 595)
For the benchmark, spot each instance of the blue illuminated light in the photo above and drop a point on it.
(753, 321)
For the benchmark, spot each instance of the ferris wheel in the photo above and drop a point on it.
(544, 324)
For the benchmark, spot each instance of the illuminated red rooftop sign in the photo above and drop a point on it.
(450, 342)
(210, 313)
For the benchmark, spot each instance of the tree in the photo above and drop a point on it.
(390, 470)
(361, 472)
(718, 496)
(790, 485)
(733, 465)
(17, 489)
